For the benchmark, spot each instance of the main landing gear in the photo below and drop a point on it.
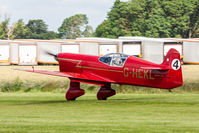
(74, 91)
(103, 93)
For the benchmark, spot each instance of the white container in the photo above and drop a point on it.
(51, 46)
(154, 49)
(70, 47)
(5, 52)
(105, 46)
(24, 52)
(190, 50)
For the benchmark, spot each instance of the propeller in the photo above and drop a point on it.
(51, 54)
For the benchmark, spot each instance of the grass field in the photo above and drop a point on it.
(50, 113)
(39, 112)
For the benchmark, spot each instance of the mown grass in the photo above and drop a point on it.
(123, 113)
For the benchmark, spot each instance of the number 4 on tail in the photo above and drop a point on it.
(176, 64)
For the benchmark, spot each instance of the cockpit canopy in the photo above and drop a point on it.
(114, 59)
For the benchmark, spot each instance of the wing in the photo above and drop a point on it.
(81, 77)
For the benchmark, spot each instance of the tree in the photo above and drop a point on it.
(49, 35)
(39, 30)
(151, 18)
(148, 19)
(21, 31)
(6, 31)
(88, 31)
(3, 26)
(71, 27)
(117, 23)
(104, 30)
(194, 21)
(37, 26)
(178, 14)
(119, 18)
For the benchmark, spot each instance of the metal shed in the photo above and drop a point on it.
(5, 52)
(102, 46)
(132, 48)
(81, 46)
(42, 47)
(190, 50)
(14, 58)
(70, 46)
(154, 49)
(89, 47)
(24, 52)
(105, 46)
(45, 46)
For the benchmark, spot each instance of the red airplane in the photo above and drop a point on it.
(118, 69)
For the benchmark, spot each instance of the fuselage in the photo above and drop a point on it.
(132, 72)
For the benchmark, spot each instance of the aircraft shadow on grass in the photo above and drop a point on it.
(130, 100)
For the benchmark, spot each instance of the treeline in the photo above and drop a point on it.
(72, 27)
(152, 18)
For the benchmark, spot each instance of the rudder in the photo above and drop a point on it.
(173, 60)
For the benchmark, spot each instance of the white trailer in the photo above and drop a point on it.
(5, 52)
(14, 58)
(177, 46)
(24, 52)
(51, 46)
(190, 50)
(105, 46)
(89, 47)
(27, 54)
(70, 47)
(154, 49)
(132, 48)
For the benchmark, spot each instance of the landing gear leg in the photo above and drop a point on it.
(170, 90)
(74, 91)
(105, 91)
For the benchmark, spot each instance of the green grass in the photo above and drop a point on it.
(45, 110)
(50, 113)
(18, 85)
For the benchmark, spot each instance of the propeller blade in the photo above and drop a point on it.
(51, 54)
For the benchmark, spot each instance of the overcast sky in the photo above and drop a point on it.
(53, 12)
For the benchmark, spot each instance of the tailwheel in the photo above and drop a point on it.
(105, 92)
(74, 91)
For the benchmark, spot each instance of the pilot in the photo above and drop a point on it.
(116, 61)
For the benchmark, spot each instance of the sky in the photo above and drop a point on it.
(53, 12)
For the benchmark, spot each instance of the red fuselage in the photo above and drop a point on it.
(135, 71)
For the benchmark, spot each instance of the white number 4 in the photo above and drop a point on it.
(176, 64)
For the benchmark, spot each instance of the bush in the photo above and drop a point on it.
(28, 86)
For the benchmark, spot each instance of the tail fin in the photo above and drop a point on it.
(173, 60)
